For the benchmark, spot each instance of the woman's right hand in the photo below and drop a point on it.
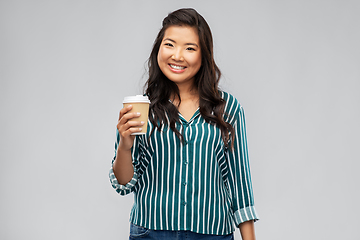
(126, 126)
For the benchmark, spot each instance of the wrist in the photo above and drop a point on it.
(247, 230)
(123, 147)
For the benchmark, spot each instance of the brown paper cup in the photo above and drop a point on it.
(140, 104)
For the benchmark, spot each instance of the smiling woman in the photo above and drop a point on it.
(195, 147)
(179, 56)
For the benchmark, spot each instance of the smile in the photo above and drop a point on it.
(177, 67)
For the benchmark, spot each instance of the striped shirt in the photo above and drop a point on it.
(199, 184)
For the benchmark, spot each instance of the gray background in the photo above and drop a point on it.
(65, 67)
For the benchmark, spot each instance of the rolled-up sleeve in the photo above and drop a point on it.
(239, 178)
(136, 156)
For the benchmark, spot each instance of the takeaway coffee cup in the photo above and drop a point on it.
(140, 104)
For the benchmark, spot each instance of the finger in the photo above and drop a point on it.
(128, 132)
(130, 124)
(124, 111)
(127, 116)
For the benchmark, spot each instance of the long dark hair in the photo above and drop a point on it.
(159, 88)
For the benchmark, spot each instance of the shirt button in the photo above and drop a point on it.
(184, 183)
(184, 203)
(186, 162)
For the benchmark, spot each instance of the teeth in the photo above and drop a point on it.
(177, 67)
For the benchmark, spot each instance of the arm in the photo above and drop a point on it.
(239, 177)
(123, 175)
(247, 230)
(123, 167)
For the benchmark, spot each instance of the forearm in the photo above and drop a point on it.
(123, 167)
(247, 230)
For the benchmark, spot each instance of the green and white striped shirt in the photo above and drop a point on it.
(197, 185)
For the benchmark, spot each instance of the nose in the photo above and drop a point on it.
(177, 55)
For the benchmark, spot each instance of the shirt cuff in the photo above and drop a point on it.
(122, 189)
(245, 214)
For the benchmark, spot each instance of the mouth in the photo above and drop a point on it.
(176, 67)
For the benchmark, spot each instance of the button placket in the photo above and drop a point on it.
(185, 163)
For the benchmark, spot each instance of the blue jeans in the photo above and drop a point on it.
(141, 233)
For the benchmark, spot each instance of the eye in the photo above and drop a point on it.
(168, 44)
(190, 49)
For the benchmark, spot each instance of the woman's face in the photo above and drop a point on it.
(179, 55)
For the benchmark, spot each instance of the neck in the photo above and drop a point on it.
(186, 92)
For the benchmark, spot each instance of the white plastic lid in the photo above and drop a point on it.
(137, 98)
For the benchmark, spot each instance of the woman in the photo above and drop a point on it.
(190, 173)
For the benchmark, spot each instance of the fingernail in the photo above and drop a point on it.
(138, 113)
(140, 129)
(142, 122)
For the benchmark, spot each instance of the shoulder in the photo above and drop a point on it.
(232, 105)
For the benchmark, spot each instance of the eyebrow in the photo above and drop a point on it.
(192, 44)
